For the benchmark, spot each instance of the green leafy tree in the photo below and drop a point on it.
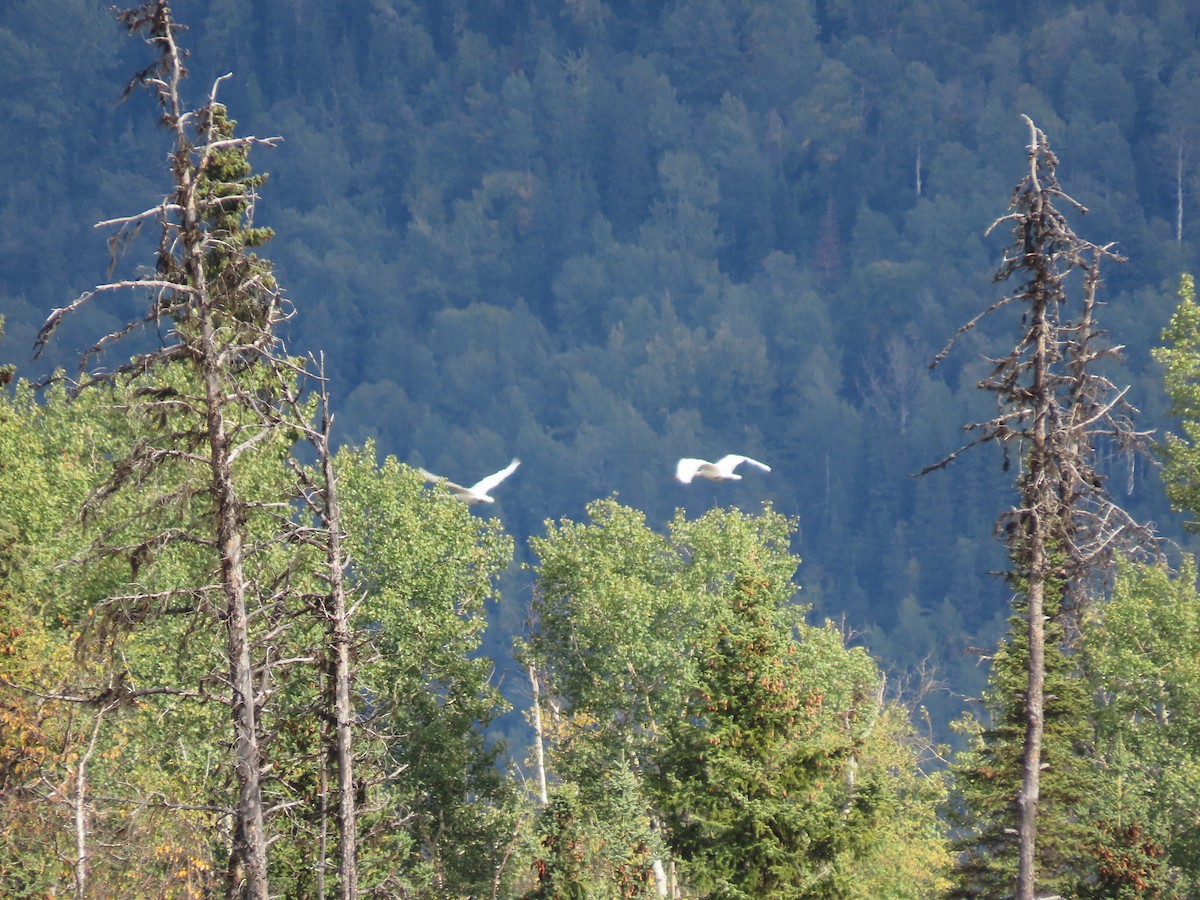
(116, 765)
(45, 478)
(1139, 649)
(603, 615)
(763, 754)
(439, 816)
(1180, 358)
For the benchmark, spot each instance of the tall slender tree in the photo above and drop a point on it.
(319, 492)
(214, 389)
(1055, 409)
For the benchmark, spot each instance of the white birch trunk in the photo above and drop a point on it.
(539, 748)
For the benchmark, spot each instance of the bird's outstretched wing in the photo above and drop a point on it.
(686, 469)
(733, 460)
(484, 485)
(450, 485)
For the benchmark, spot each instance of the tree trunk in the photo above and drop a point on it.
(80, 804)
(323, 801)
(250, 845)
(1179, 191)
(660, 876)
(918, 169)
(1031, 760)
(1040, 500)
(537, 737)
(248, 765)
(245, 715)
(340, 638)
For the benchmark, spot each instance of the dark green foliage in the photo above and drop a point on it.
(229, 195)
(558, 864)
(592, 841)
(754, 766)
(987, 776)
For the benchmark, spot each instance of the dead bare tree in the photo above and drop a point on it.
(221, 307)
(1054, 409)
(319, 493)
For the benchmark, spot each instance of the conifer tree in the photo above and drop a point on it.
(1054, 409)
(987, 774)
(215, 393)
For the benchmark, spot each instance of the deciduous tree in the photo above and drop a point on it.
(439, 815)
(1139, 649)
(755, 753)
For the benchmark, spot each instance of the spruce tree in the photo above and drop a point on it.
(216, 392)
(987, 778)
(1054, 409)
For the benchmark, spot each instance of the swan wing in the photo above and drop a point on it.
(486, 484)
(450, 485)
(686, 469)
(733, 460)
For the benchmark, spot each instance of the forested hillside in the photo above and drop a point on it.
(601, 236)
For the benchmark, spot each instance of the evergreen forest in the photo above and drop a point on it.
(277, 278)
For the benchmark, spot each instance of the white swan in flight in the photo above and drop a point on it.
(478, 492)
(721, 470)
